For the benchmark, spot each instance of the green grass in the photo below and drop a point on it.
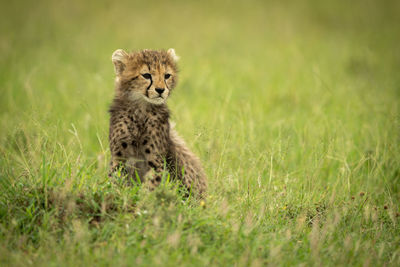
(293, 108)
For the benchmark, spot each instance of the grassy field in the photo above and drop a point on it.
(293, 108)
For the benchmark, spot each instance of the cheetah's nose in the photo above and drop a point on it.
(160, 90)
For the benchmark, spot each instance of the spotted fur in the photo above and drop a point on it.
(142, 141)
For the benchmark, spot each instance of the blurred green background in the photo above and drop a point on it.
(289, 104)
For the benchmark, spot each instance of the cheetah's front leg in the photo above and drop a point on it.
(154, 149)
(123, 147)
(122, 158)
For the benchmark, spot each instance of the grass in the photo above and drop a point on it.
(292, 106)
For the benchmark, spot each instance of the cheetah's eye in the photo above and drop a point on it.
(146, 76)
(166, 76)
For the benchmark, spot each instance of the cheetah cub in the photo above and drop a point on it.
(142, 141)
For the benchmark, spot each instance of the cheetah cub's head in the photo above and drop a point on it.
(147, 75)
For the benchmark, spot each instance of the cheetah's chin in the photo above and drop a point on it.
(156, 101)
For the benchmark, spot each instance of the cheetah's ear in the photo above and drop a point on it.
(172, 54)
(119, 58)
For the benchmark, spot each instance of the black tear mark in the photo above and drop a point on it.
(147, 151)
(166, 84)
(147, 90)
(119, 154)
(124, 145)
